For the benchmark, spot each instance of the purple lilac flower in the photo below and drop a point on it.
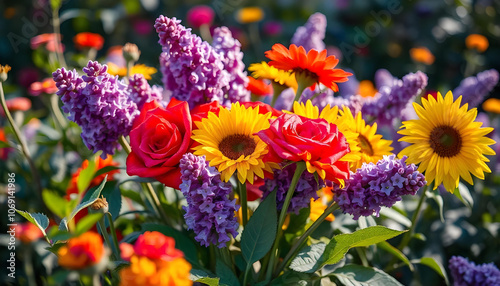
(474, 89)
(311, 35)
(306, 189)
(141, 92)
(467, 273)
(373, 186)
(384, 78)
(229, 50)
(191, 68)
(390, 101)
(99, 103)
(209, 213)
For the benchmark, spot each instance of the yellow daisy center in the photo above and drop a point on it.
(235, 145)
(365, 145)
(445, 141)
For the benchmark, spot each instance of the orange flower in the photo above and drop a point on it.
(422, 55)
(17, 104)
(476, 41)
(154, 260)
(28, 232)
(310, 68)
(81, 252)
(367, 89)
(259, 87)
(88, 40)
(47, 86)
(492, 105)
(318, 206)
(249, 15)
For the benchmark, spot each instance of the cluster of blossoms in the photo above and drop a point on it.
(467, 273)
(474, 89)
(311, 35)
(154, 260)
(83, 252)
(376, 185)
(210, 213)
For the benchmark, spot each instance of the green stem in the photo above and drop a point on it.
(56, 24)
(243, 202)
(247, 270)
(104, 233)
(56, 111)
(277, 90)
(305, 235)
(28, 265)
(300, 89)
(409, 234)
(113, 233)
(130, 64)
(300, 167)
(95, 280)
(205, 33)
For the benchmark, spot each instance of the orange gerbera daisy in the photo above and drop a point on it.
(259, 87)
(310, 68)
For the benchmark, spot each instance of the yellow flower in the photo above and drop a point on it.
(264, 71)
(318, 206)
(446, 141)
(478, 42)
(146, 71)
(492, 105)
(229, 143)
(249, 15)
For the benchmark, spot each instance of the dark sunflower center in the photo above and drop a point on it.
(366, 146)
(445, 141)
(233, 146)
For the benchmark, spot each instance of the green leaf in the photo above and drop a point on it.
(340, 244)
(209, 281)
(38, 219)
(436, 266)
(4, 144)
(357, 275)
(182, 241)
(292, 278)
(396, 216)
(307, 259)
(225, 274)
(87, 223)
(260, 231)
(93, 194)
(86, 176)
(464, 195)
(396, 252)
(105, 170)
(56, 203)
(434, 194)
(133, 195)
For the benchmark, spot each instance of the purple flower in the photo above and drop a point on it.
(391, 100)
(312, 34)
(467, 273)
(229, 50)
(373, 186)
(209, 213)
(384, 78)
(141, 92)
(475, 88)
(306, 189)
(192, 70)
(99, 103)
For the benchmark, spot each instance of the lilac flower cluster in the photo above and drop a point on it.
(467, 273)
(99, 103)
(373, 186)
(390, 101)
(474, 89)
(312, 34)
(210, 213)
(384, 78)
(229, 50)
(306, 189)
(191, 68)
(141, 92)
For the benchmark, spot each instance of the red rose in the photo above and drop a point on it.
(315, 141)
(159, 138)
(199, 111)
(263, 107)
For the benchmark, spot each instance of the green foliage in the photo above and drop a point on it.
(307, 259)
(357, 275)
(38, 219)
(434, 265)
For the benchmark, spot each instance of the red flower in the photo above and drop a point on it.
(199, 111)
(263, 108)
(82, 252)
(315, 141)
(153, 245)
(200, 15)
(88, 40)
(47, 86)
(17, 104)
(259, 87)
(28, 232)
(159, 138)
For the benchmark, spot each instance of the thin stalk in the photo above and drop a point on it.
(243, 202)
(300, 167)
(104, 233)
(56, 111)
(113, 233)
(28, 265)
(56, 24)
(205, 33)
(245, 277)
(305, 235)
(277, 90)
(416, 214)
(130, 64)
(300, 89)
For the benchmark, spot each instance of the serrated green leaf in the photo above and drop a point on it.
(209, 281)
(464, 195)
(396, 252)
(308, 259)
(86, 176)
(436, 266)
(90, 197)
(340, 244)
(38, 219)
(55, 203)
(87, 223)
(225, 274)
(260, 231)
(357, 275)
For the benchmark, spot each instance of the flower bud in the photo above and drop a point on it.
(131, 52)
(99, 206)
(3, 72)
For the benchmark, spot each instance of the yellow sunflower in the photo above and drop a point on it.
(373, 147)
(229, 143)
(446, 141)
(146, 71)
(281, 77)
